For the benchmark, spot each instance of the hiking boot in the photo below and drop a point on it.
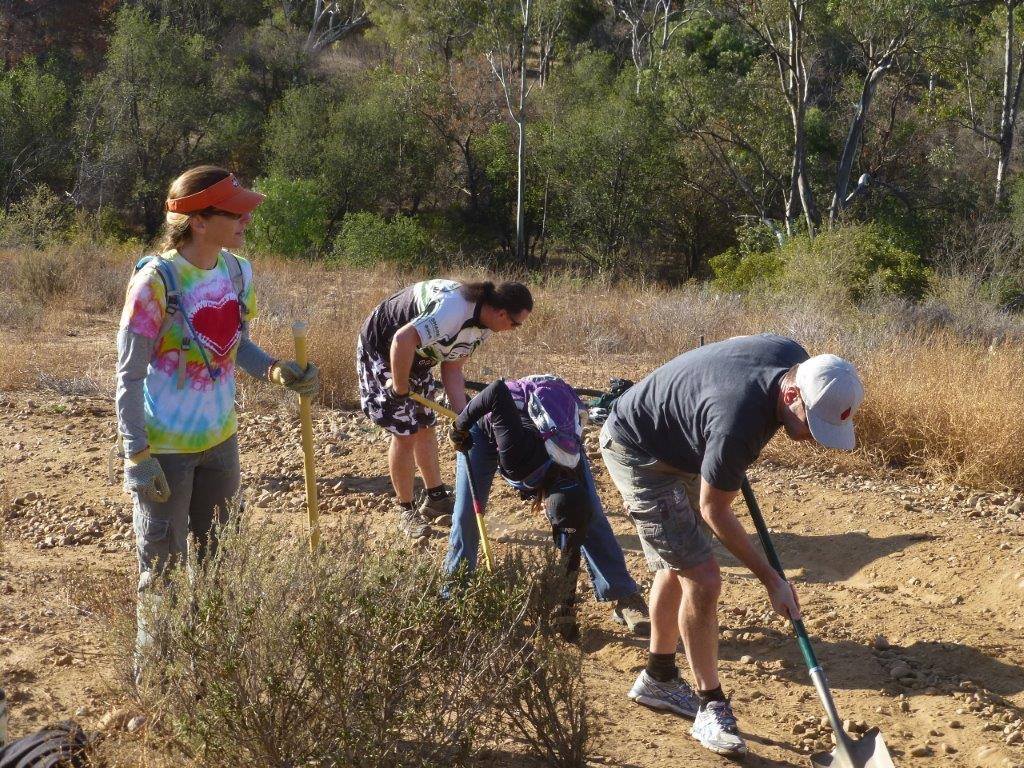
(564, 621)
(632, 611)
(412, 524)
(567, 627)
(715, 728)
(674, 696)
(437, 511)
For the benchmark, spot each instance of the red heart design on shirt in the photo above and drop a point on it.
(217, 324)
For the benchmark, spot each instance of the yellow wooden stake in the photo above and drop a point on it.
(306, 418)
(478, 509)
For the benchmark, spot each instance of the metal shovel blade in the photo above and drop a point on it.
(869, 751)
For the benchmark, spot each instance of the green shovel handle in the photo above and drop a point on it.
(769, 549)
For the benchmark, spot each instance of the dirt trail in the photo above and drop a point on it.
(914, 593)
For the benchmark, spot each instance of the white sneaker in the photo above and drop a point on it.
(715, 728)
(674, 696)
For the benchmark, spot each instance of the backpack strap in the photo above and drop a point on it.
(171, 290)
(173, 312)
(237, 282)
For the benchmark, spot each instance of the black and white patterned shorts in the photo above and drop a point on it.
(399, 417)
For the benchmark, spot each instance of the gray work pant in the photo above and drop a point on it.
(204, 487)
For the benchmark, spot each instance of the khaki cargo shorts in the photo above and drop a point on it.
(663, 503)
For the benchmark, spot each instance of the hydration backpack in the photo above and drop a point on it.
(601, 407)
(58, 746)
(555, 410)
(175, 314)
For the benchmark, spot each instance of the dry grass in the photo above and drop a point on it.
(949, 407)
(938, 398)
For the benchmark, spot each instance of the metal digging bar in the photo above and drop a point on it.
(869, 751)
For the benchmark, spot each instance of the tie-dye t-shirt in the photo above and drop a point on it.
(201, 414)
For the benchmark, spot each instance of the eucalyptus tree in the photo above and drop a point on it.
(325, 22)
(784, 29)
(720, 96)
(992, 83)
(144, 117)
(36, 136)
(652, 25)
(882, 37)
(508, 32)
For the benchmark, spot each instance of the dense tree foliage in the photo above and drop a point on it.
(673, 139)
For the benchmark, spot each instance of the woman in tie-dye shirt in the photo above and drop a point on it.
(183, 332)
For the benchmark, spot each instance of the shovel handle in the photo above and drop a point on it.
(485, 543)
(773, 558)
(306, 419)
(448, 413)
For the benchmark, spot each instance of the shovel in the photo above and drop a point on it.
(869, 751)
(306, 420)
(485, 543)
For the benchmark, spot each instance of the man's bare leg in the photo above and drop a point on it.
(666, 593)
(698, 621)
(659, 685)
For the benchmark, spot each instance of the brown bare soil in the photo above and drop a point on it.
(913, 589)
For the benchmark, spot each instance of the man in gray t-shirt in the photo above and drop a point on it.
(677, 446)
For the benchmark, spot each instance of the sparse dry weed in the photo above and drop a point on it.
(264, 655)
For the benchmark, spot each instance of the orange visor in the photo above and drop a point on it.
(226, 195)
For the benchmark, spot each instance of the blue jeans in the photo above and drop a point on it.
(601, 551)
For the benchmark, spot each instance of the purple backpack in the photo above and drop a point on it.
(555, 410)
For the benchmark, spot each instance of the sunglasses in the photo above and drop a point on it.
(219, 212)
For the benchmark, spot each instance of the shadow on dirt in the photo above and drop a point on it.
(752, 760)
(823, 558)
(380, 484)
(856, 666)
(495, 758)
(283, 481)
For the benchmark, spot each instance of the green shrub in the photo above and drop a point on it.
(265, 655)
(755, 262)
(739, 272)
(851, 263)
(367, 239)
(35, 221)
(292, 220)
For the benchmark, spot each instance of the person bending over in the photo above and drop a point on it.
(434, 322)
(495, 432)
(677, 445)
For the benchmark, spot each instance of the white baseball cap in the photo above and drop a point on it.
(832, 393)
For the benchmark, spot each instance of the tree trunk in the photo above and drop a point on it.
(853, 138)
(801, 184)
(521, 155)
(520, 191)
(1011, 102)
(797, 89)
